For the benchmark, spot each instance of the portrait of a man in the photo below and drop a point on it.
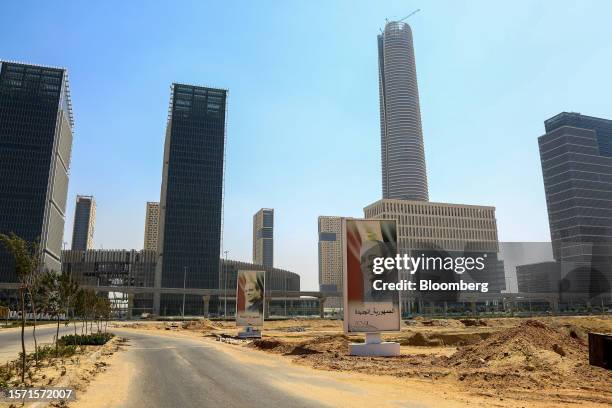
(250, 295)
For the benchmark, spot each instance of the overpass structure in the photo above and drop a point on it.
(507, 301)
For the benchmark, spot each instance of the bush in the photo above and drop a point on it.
(48, 351)
(96, 339)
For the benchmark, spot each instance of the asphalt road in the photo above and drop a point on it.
(167, 370)
(184, 372)
(10, 339)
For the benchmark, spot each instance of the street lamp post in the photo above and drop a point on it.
(184, 285)
(225, 284)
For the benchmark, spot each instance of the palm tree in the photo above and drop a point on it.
(27, 260)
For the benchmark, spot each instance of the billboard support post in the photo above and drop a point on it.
(374, 346)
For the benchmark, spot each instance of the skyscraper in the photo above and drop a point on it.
(576, 156)
(263, 237)
(151, 226)
(191, 195)
(84, 222)
(35, 144)
(404, 175)
(330, 258)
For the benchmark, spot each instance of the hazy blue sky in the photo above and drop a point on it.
(303, 124)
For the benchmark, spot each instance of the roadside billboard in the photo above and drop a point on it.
(367, 310)
(250, 295)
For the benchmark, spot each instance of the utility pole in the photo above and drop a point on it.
(184, 285)
(225, 284)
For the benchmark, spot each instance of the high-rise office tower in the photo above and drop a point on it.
(330, 258)
(576, 156)
(151, 226)
(84, 222)
(191, 196)
(263, 237)
(35, 144)
(404, 175)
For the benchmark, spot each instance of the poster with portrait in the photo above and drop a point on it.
(250, 294)
(365, 308)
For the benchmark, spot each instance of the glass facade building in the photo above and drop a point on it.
(576, 156)
(192, 193)
(35, 146)
(84, 221)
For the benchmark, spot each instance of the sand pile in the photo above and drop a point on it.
(322, 344)
(421, 339)
(205, 325)
(526, 360)
(531, 344)
(530, 356)
(436, 339)
(473, 322)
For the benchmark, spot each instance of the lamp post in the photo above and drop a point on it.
(184, 284)
(225, 284)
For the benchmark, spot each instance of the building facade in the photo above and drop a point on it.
(576, 156)
(110, 267)
(191, 193)
(541, 277)
(84, 223)
(263, 237)
(330, 258)
(36, 125)
(136, 269)
(445, 230)
(404, 174)
(151, 226)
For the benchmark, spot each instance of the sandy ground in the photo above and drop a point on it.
(74, 372)
(110, 388)
(501, 362)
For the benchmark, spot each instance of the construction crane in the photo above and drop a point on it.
(409, 15)
(399, 21)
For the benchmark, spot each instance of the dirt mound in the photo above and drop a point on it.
(267, 344)
(421, 339)
(511, 358)
(421, 321)
(316, 345)
(473, 322)
(452, 338)
(205, 325)
(523, 344)
(532, 355)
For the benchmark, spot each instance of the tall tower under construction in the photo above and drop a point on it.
(404, 175)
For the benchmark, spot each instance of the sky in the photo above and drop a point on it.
(303, 133)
